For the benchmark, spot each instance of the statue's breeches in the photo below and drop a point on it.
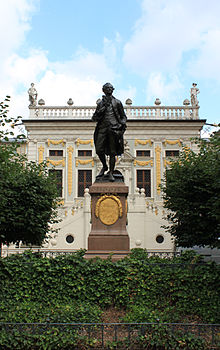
(106, 142)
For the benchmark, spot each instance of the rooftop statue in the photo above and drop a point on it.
(32, 92)
(194, 92)
(111, 125)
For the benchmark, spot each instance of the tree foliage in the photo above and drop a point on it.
(191, 195)
(28, 195)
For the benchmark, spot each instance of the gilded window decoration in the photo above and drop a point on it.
(108, 209)
(167, 162)
(143, 163)
(56, 162)
(142, 142)
(84, 162)
(60, 202)
(84, 142)
(172, 142)
(70, 169)
(56, 142)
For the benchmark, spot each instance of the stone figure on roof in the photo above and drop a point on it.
(194, 92)
(111, 125)
(32, 92)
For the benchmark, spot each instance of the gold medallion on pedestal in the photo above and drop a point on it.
(108, 209)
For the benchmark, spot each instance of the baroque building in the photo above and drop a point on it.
(63, 136)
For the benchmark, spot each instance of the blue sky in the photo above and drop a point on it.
(145, 48)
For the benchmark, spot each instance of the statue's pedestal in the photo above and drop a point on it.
(109, 215)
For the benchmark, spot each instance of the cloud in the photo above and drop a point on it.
(124, 94)
(159, 85)
(86, 64)
(25, 70)
(14, 24)
(206, 62)
(56, 88)
(168, 30)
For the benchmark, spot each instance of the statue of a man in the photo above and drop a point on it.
(111, 124)
(194, 92)
(32, 92)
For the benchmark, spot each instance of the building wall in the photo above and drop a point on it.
(145, 214)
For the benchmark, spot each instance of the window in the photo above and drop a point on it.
(172, 153)
(143, 181)
(84, 153)
(55, 153)
(84, 181)
(143, 153)
(58, 174)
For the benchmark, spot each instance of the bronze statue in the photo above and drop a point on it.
(111, 125)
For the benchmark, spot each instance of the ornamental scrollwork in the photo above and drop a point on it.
(84, 142)
(56, 142)
(70, 169)
(40, 154)
(142, 142)
(172, 142)
(158, 168)
(84, 162)
(143, 162)
(56, 162)
(108, 209)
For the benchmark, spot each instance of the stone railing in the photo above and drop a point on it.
(132, 112)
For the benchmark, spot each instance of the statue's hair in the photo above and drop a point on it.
(107, 85)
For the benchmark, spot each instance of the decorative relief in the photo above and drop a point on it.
(55, 142)
(143, 163)
(167, 162)
(60, 202)
(108, 209)
(142, 142)
(70, 169)
(56, 162)
(84, 161)
(40, 154)
(158, 168)
(172, 142)
(84, 142)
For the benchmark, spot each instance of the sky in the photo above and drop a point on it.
(145, 48)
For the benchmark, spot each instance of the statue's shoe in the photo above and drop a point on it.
(104, 168)
(111, 177)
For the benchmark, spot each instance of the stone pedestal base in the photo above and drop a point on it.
(109, 214)
(117, 255)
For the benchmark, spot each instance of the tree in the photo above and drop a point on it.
(28, 195)
(191, 194)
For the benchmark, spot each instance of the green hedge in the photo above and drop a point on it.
(72, 289)
(188, 287)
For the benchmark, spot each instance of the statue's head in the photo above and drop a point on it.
(108, 88)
